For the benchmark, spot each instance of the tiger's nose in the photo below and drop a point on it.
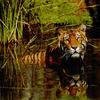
(74, 47)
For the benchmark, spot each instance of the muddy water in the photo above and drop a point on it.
(35, 82)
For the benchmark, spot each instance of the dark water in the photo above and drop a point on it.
(35, 82)
(92, 69)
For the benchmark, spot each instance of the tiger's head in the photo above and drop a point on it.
(73, 42)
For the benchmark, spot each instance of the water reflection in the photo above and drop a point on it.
(39, 84)
(36, 87)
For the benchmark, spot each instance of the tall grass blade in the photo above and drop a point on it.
(31, 40)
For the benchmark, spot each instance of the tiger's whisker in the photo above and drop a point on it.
(94, 46)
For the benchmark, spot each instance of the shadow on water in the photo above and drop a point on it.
(35, 82)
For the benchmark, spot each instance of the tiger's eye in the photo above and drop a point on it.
(78, 36)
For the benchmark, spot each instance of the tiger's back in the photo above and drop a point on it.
(34, 58)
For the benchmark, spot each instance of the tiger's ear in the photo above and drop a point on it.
(82, 27)
(59, 31)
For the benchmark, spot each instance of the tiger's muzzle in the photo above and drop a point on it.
(75, 52)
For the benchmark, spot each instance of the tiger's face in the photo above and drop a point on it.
(73, 42)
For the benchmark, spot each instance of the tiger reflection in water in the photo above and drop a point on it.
(66, 59)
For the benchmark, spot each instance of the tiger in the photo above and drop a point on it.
(66, 59)
(63, 38)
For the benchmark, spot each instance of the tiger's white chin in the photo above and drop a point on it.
(75, 55)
